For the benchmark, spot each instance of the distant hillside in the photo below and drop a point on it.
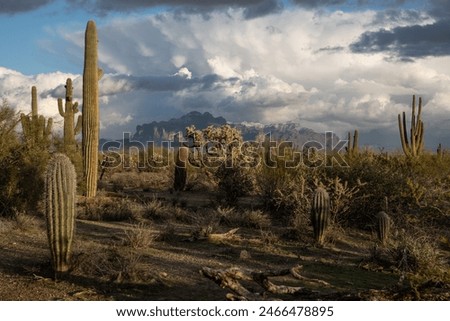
(164, 130)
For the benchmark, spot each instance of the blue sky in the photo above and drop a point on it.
(328, 64)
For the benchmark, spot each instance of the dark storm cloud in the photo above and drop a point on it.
(17, 6)
(407, 42)
(116, 84)
(253, 8)
(319, 3)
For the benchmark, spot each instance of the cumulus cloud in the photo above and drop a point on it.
(297, 65)
(17, 6)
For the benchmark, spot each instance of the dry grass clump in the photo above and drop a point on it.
(110, 209)
(156, 210)
(251, 218)
(139, 236)
(110, 263)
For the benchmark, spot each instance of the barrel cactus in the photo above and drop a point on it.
(180, 176)
(60, 190)
(383, 226)
(320, 214)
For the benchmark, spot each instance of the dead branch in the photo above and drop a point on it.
(229, 278)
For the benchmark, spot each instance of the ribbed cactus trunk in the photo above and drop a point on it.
(320, 214)
(60, 191)
(383, 227)
(180, 177)
(353, 147)
(68, 113)
(90, 116)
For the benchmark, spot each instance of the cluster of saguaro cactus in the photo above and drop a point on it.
(320, 214)
(68, 113)
(413, 146)
(180, 175)
(90, 116)
(60, 190)
(353, 146)
(383, 226)
(36, 130)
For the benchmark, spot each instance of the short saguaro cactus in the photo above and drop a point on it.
(60, 193)
(320, 214)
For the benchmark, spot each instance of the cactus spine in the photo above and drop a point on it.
(60, 187)
(383, 226)
(414, 146)
(68, 113)
(35, 128)
(320, 214)
(181, 162)
(90, 116)
(353, 147)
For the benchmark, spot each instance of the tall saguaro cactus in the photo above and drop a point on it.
(60, 188)
(353, 147)
(414, 146)
(181, 162)
(68, 113)
(320, 214)
(35, 128)
(90, 116)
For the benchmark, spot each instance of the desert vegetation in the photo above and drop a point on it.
(263, 220)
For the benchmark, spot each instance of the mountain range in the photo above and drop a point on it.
(159, 131)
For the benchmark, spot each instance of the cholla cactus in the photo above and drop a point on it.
(383, 226)
(320, 214)
(60, 188)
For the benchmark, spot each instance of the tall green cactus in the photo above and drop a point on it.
(383, 226)
(90, 115)
(68, 113)
(320, 214)
(181, 162)
(36, 130)
(414, 146)
(60, 190)
(353, 147)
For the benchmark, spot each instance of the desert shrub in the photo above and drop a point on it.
(21, 177)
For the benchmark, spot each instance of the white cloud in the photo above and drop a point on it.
(290, 66)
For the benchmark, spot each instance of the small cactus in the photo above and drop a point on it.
(60, 190)
(320, 214)
(181, 162)
(68, 113)
(383, 226)
(36, 129)
(414, 146)
(353, 147)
